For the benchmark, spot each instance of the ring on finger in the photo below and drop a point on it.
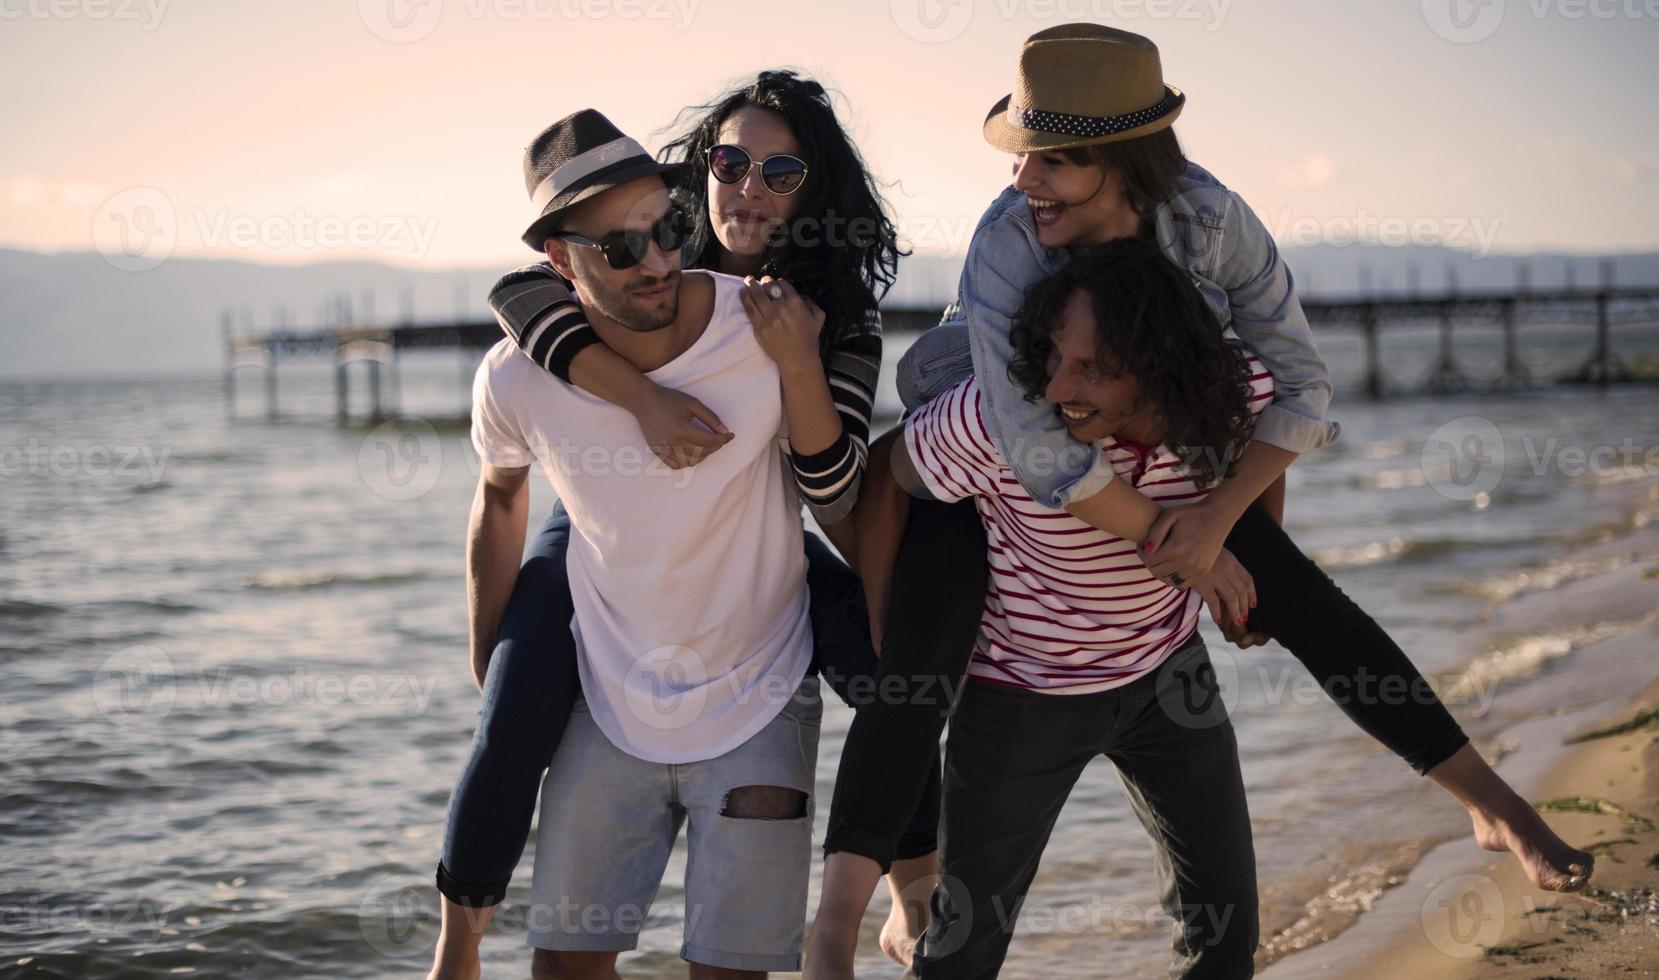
(774, 290)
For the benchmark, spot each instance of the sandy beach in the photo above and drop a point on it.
(1458, 917)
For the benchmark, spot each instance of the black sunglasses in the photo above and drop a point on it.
(626, 249)
(781, 173)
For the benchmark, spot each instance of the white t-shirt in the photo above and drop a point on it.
(691, 619)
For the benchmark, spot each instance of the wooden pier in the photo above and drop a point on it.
(1597, 309)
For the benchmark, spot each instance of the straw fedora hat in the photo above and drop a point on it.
(1082, 84)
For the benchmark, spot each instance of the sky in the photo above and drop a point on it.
(293, 131)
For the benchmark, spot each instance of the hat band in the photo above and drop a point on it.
(1086, 127)
(584, 165)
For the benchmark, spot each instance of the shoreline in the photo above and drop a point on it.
(1471, 915)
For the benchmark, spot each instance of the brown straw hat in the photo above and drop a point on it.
(1081, 84)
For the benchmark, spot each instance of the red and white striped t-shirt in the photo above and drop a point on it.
(1070, 609)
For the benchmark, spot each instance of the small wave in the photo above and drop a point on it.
(326, 578)
(1527, 655)
(142, 605)
(1553, 574)
(143, 489)
(20, 609)
(1384, 449)
(1345, 897)
(1394, 550)
(217, 456)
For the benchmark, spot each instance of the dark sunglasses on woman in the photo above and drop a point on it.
(626, 249)
(781, 173)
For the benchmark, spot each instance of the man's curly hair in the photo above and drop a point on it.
(1151, 322)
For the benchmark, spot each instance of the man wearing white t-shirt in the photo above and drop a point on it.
(691, 619)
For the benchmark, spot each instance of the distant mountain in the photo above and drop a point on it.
(69, 313)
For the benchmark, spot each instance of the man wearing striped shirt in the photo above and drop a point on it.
(1081, 651)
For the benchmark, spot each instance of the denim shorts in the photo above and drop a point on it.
(609, 821)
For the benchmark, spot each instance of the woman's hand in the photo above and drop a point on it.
(1228, 590)
(786, 323)
(1184, 542)
(681, 430)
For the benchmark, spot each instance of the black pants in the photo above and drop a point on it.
(1012, 759)
(938, 594)
(532, 684)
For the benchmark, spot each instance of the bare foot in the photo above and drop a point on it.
(1550, 862)
(900, 932)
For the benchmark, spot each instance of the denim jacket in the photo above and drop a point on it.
(1206, 229)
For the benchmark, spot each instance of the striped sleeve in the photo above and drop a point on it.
(536, 308)
(829, 480)
(947, 442)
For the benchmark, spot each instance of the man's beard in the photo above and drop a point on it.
(636, 314)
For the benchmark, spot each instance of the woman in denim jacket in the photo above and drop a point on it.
(1082, 178)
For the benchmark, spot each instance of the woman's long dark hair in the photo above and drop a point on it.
(840, 249)
(1150, 321)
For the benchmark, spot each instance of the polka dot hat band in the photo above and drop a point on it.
(1081, 84)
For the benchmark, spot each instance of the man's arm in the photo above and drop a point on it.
(495, 548)
(537, 309)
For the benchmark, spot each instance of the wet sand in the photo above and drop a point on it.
(1463, 914)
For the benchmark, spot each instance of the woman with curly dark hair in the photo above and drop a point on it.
(777, 193)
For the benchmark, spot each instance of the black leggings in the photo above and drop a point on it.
(938, 595)
(532, 684)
